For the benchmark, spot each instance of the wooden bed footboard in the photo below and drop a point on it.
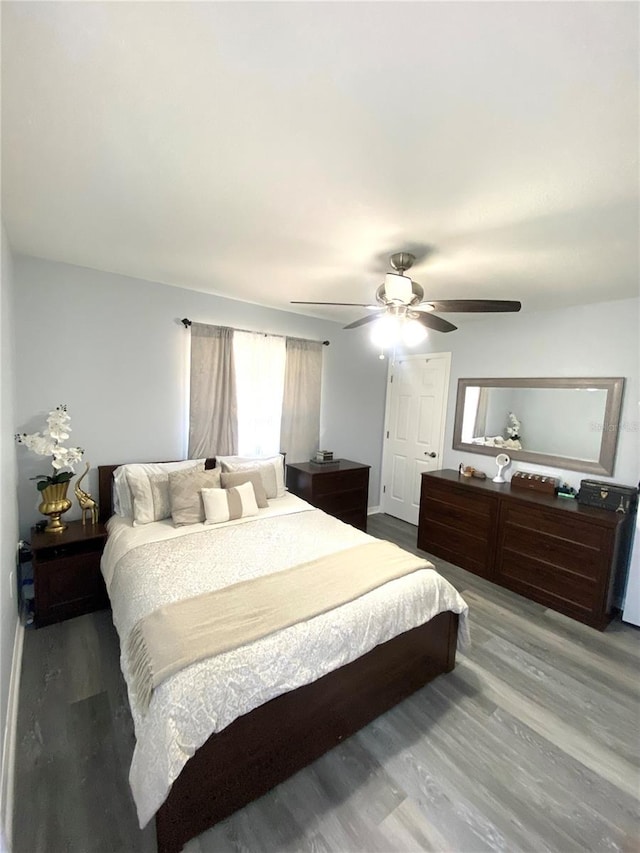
(268, 745)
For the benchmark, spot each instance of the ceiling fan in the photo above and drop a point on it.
(402, 299)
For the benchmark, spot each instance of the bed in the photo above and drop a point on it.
(249, 749)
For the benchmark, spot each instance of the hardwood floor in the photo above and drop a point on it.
(530, 744)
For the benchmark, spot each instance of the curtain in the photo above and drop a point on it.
(480, 425)
(260, 371)
(213, 414)
(300, 426)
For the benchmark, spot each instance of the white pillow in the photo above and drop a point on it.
(271, 470)
(228, 504)
(122, 497)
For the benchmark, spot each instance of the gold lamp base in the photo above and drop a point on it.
(54, 503)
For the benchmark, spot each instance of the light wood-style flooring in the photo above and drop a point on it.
(530, 744)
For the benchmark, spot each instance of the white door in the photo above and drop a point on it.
(417, 393)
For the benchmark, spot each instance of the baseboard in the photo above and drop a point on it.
(373, 510)
(9, 743)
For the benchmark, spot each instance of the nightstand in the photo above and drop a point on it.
(340, 488)
(66, 572)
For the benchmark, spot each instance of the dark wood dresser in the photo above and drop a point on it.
(66, 572)
(549, 549)
(340, 489)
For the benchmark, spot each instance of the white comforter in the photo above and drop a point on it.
(208, 695)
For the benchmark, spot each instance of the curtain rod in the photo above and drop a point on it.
(186, 323)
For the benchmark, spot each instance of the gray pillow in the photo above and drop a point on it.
(232, 479)
(184, 494)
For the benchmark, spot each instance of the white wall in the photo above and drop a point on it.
(8, 479)
(120, 365)
(112, 348)
(590, 340)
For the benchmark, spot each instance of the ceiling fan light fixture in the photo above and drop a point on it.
(413, 333)
(386, 331)
(397, 288)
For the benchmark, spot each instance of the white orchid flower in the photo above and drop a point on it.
(41, 444)
(49, 443)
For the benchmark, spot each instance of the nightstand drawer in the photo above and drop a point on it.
(337, 503)
(338, 481)
(355, 517)
(68, 587)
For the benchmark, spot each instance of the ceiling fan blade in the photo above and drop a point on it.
(348, 304)
(473, 305)
(431, 321)
(361, 322)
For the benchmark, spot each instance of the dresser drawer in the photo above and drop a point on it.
(459, 516)
(546, 583)
(478, 506)
(572, 529)
(462, 548)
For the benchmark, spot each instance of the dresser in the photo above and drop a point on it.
(340, 488)
(552, 550)
(66, 572)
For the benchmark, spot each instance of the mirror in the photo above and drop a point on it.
(566, 423)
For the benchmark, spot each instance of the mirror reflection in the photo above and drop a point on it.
(568, 422)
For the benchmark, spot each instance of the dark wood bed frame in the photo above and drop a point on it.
(268, 745)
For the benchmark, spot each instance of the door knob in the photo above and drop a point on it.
(432, 455)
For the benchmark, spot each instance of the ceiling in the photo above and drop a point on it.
(276, 151)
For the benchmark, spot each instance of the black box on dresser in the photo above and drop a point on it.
(563, 555)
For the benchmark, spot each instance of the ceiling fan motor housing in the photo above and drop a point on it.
(402, 261)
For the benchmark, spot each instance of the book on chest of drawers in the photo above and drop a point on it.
(340, 488)
(568, 557)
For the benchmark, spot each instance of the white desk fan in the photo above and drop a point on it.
(502, 460)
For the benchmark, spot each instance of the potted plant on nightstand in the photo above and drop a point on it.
(53, 487)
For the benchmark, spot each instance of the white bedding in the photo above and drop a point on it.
(208, 695)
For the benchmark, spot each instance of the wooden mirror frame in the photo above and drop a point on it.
(604, 465)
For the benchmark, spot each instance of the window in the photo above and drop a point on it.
(253, 394)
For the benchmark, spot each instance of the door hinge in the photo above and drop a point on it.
(391, 379)
(384, 490)
(387, 433)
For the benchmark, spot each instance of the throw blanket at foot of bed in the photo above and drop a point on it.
(179, 634)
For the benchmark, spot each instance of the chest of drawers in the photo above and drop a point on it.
(554, 551)
(340, 489)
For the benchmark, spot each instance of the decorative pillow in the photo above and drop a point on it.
(271, 470)
(227, 504)
(237, 478)
(150, 495)
(122, 497)
(184, 494)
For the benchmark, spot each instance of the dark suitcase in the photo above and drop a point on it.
(611, 496)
